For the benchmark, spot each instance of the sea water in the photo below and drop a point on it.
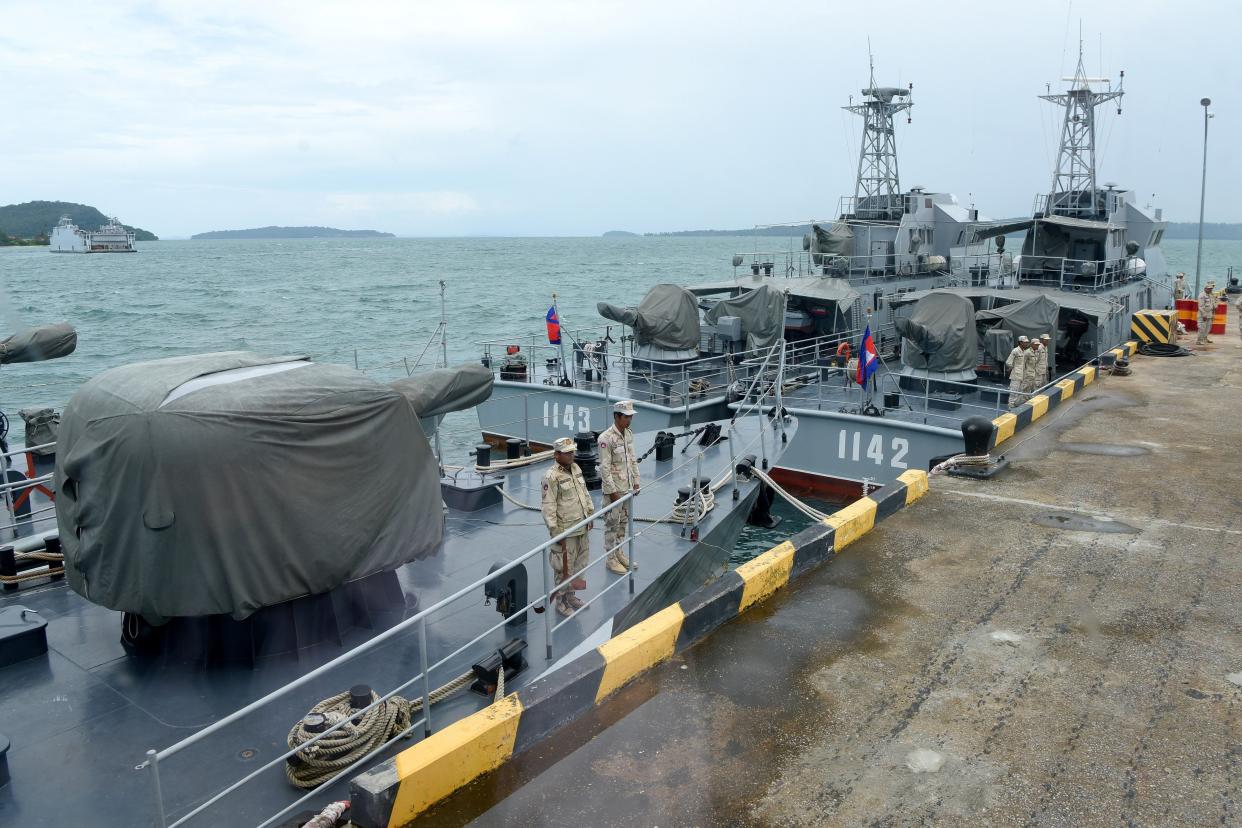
(370, 302)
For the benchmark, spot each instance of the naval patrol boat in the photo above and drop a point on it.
(233, 538)
(691, 352)
(1090, 256)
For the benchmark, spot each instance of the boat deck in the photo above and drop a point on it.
(84, 714)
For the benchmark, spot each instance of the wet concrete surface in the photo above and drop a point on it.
(972, 661)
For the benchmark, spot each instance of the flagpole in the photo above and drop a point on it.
(560, 340)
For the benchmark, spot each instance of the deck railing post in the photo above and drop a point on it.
(153, 764)
(685, 381)
(422, 659)
(548, 587)
(629, 519)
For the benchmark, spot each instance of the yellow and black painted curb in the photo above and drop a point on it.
(395, 792)
(1011, 422)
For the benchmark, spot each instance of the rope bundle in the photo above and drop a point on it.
(960, 460)
(319, 762)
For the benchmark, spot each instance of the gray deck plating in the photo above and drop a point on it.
(84, 715)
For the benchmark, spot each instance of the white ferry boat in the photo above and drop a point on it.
(112, 237)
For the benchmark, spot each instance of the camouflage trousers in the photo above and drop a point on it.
(1016, 397)
(570, 556)
(616, 528)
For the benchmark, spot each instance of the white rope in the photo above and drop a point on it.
(960, 460)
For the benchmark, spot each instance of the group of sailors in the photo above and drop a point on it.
(1028, 367)
(566, 501)
(1207, 300)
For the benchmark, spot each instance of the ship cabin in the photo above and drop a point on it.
(1087, 241)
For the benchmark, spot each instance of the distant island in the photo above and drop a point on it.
(292, 233)
(1176, 230)
(31, 223)
(619, 234)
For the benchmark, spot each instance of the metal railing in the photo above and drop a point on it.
(680, 384)
(1077, 274)
(862, 269)
(418, 623)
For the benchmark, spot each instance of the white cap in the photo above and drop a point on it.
(564, 444)
(1209, 284)
(625, 407)
(1023, 339)
(1044, 336)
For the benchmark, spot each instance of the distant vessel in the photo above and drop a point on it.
(112, 237)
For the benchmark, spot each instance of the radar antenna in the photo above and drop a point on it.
(877, 191)
(1073, 190)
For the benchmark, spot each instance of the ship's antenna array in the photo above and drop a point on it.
(877, 190)
(1073, 191)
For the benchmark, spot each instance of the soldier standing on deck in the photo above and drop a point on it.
(1045, 344)
(566, 501)
(618, 469)
(1179, 286)
(1030, 380)
(1207, 310)
(1016, 363)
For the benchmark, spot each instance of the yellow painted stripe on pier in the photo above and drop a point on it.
(1088, 374)
(638, 649)
(1039, 406)
(461, 752)
(1132, 347)
(852, 522)
(916, 484)
(1005, 425)
(765, 574)
(1067, 389)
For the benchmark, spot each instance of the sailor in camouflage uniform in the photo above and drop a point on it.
(1016, 363)
(566, 501)
(1207, 311)
(618, 469)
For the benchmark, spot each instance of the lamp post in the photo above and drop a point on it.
(1205, 103)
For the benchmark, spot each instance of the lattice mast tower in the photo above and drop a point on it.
(1073, 190)
(877, 191)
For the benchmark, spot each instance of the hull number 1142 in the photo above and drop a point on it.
(850, 446)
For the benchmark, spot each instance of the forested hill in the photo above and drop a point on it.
(35, 219)
(293, 233)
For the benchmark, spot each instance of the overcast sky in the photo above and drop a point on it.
(529, 118)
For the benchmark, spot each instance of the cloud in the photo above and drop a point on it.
(575, 117)
(417, 204)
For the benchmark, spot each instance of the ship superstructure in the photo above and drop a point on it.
(111, 237)
(943, 299)
(884, 240)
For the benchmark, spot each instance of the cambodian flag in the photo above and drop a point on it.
(868, 359)
(554, 326)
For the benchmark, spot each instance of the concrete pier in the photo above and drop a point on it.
(1058, 646)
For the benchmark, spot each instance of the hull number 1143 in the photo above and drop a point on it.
(576, 417)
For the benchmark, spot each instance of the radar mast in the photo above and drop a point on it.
(1073, 190)
(877, 191)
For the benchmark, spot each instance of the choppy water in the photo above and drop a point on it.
(332, 298)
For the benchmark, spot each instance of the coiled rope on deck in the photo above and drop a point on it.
(319, 762)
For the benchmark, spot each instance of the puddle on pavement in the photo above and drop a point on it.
(1083, 523)
(1042, 439)
(1106, 449)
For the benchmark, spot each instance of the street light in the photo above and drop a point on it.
(1205, 103)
